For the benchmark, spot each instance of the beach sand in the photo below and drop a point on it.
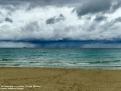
(53, 79)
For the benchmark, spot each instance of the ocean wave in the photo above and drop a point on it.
(104, 62)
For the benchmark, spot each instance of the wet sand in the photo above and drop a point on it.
(53, 79)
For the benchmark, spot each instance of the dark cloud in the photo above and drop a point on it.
(93, 7)
(40, 2)
(7, 19)
(100, 18)
(59, 23)
(55, 19)
(113, 22)
(118, 19)
(116, 4)
(96, 6)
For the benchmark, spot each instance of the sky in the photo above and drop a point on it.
(60, 23)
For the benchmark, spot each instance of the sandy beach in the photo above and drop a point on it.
(52, 79)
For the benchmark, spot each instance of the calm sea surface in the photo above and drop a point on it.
(65, 58)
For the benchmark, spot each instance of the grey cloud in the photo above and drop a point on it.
(96, 6)
(117, 4)
(55, 19)
(33, 24)
(50, 21)
(31, 27)
(118, 19)
(112, 22)
(40, 2)
(7, 19)
(100, 18)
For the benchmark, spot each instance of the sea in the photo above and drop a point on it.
(61, 57)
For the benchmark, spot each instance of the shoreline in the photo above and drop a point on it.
(94, 68)
(61, 79)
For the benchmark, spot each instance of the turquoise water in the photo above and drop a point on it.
(72, 58)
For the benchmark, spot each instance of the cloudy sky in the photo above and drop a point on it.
(83, 23)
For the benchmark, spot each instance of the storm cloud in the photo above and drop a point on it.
(100, 18)
(59, 20)
(40, 2)
(97, 6)
(55, 19)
